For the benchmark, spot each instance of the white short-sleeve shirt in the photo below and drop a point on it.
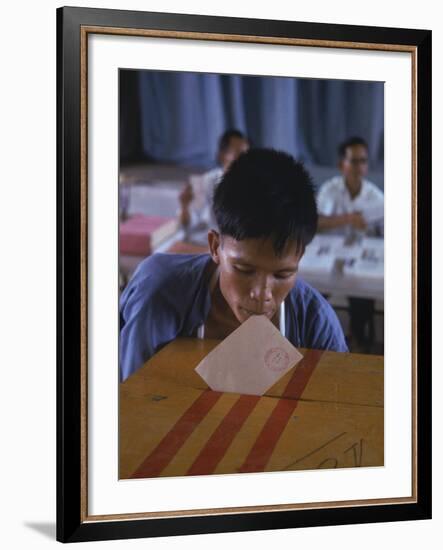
(334, 199)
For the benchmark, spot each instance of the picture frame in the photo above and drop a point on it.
(74, 214)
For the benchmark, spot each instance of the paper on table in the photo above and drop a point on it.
(250, 360)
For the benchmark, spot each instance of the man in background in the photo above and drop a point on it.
(350, 205)
(197, 221)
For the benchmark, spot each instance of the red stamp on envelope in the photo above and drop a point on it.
(276, 359)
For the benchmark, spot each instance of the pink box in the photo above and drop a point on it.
(140, 234)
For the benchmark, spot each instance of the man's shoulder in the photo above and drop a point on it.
(171, 261)
(332, 184)
(308, 302)
(213, 175)
(304, 293)
(317, 321)
(167, 272)
(372, 188)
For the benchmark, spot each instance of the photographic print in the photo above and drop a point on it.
(251, 269)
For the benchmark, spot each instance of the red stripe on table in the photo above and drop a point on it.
(165, 451)
(266, 441)
(303, 372)
(218, 443)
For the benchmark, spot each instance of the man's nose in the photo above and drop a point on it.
(261, 291)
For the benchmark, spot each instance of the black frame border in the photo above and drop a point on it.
(70, 527)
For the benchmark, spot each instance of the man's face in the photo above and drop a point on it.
(253, 279)
(236, 147)
(354, 165)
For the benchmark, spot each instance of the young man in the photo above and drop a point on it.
(266, 215)
(349, 202)
(197, 222)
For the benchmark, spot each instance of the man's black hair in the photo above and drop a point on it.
(350, 142)
(226, 137)
(267, 194)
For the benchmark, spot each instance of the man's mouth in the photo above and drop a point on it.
(250, 312)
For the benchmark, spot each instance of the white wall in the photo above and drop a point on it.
(28, 275)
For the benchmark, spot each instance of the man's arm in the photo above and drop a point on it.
(355, 219)
(185, 198)
(148, 313)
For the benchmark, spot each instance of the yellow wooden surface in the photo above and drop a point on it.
(337, 421)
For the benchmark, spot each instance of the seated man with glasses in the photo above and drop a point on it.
(349, 203)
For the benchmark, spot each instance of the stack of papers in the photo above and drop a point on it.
(369, 262)
(320, 254)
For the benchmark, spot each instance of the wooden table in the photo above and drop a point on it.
(326, 412)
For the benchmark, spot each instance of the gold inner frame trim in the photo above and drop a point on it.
(83, 275)
(84, 32)
(250, 509)
(245, 38)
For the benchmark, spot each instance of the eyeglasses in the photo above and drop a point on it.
(357, 161)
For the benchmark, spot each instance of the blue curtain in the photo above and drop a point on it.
(182, 115)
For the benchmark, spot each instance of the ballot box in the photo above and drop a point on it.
(326, 412)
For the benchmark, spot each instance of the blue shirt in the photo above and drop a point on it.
(168, 296)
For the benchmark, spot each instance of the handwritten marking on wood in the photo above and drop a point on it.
(315, 450)
(357, 452)
(340, 455)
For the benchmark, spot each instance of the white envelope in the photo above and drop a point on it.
(250, 360)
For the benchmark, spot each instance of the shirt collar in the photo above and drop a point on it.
(345, 189)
